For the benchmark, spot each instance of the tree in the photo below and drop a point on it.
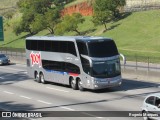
(70, 23)
(38, 24)
(38, 15)
(25, 24)
(24, 4)
(37, 6)
(102, 15)
(52, 18)
(106, 10)
(115, 5)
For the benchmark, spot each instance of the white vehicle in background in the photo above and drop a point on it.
(151, 107)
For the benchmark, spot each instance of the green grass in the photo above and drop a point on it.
(7, 6)
(8, 3)
(136, 34)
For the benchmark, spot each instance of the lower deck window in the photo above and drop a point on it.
(60, 66)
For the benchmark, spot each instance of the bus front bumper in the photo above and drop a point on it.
(107, 82)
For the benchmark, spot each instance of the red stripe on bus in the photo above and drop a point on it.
(73, 74)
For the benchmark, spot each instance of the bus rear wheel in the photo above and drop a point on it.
(74, 84)
(37, 77)
(80, 87)
(42, 78)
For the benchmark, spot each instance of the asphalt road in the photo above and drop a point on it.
(18, 92)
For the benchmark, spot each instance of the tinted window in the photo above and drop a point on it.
(157, 102)
(82, 48)
(63, 47)
(51, 46)
(60, 66)
(72, 68)
(150, 100)
(55, 46)
(48, 46)
(71, 48)
(41, 45)
(85, 65)
(102, 48)
(28, 45)
(106, 69)
(53, 65)
(33, 45)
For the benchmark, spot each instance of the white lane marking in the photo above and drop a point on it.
(7, 68)
(99, 117)
(44, 102)
(92, 115)
(8, 92)
(25, 97)
(25, 72)
(5, 109)
(67, 108)
(57, 89)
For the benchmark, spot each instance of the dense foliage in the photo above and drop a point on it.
(106, 10)
(70, 23)
(38, 15)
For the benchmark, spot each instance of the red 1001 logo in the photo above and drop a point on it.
(35, 58)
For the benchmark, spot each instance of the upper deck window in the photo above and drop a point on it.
(51, 46)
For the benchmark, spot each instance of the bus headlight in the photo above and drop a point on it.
(88, 81)
(120, 83)
(95, 81)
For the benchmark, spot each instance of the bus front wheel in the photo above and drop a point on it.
(74, 84)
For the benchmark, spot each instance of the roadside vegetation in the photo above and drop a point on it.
(135, 33)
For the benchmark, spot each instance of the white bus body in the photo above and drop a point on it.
(82, 62)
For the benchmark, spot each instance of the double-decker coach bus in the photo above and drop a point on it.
(79, 61)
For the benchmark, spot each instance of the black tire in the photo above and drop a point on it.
(74, 84)
(37, 77)
(80, 87)
(41, 77)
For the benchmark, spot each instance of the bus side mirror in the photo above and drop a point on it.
(124, 58)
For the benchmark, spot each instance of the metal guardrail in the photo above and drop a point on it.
(135, 69)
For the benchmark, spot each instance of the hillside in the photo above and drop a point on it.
(7, 5)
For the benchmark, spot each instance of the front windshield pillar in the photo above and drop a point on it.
(86, 65)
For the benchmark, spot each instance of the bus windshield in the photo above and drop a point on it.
(106, 69)
(102, 48)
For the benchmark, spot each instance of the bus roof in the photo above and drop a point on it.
(67, 38)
